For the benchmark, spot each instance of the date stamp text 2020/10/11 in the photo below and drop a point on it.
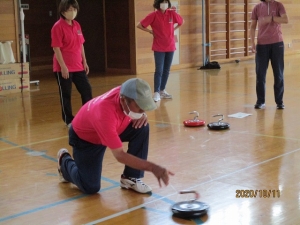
(257, 193)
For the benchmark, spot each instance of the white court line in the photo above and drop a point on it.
(248, 167)
(218, 178)
(125, 211)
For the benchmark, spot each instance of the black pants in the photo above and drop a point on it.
(86, 167)
(265, 54)
(65, 90)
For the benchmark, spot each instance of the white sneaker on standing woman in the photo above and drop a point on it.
(156, 97)
(164, 94)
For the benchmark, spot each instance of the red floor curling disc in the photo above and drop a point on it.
(194, 122)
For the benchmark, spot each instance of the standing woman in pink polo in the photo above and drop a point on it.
(162, 22)
(69, 62)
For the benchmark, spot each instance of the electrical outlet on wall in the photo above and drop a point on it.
(289, 45)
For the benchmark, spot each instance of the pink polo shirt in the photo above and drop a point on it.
(102, 120)
(69, 39)
(268, 33)
(162, 25)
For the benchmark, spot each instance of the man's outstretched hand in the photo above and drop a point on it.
(162, 174)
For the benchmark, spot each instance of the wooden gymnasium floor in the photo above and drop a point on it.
(260, 152)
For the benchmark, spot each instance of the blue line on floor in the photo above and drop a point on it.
(115, 184)
(50, 205)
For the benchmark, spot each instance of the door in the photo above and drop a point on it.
(91, 19)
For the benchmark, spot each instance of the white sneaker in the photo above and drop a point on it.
(164, 94)
(134, 184)
(60, 153)
(156, 97)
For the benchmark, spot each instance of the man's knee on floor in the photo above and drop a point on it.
(93, 189)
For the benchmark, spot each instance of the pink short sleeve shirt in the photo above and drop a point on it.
(268, 33)
(162, 25)
(102, 120)
(69, 39)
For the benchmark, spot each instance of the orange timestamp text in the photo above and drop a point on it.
(257, 193)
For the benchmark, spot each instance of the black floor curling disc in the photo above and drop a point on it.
(189, 209)
(218, 126)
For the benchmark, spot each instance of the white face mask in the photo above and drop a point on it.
(164, 6)
(70, 15)
(132, 115)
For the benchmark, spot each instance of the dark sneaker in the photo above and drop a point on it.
(135, 184)
(60, 154)
(259, 106)
(280, 106)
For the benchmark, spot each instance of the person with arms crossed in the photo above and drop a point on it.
(69, 61)
(268, 16)
(106, 121)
